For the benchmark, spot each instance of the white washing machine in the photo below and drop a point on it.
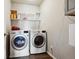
(38, 42)
(19, 43)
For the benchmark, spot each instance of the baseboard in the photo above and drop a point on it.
(51, 55)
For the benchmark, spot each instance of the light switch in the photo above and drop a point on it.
(72, 34)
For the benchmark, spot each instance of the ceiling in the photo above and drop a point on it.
(33, 2)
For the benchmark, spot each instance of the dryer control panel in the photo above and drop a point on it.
(25, 31)
(43, 31)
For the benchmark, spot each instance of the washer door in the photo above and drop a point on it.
(19, 42)
(39, 41)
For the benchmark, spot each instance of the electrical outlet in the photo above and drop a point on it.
(51, 49)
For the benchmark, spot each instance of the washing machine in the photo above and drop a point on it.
(19, 43)
(38, 42)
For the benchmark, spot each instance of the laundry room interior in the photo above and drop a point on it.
(39, 29)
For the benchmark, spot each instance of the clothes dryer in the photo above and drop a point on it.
(38, 42)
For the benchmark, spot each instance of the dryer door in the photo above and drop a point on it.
(39, 41)
(19, 42)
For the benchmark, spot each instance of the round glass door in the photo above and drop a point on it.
(19, 42)
(39, 41)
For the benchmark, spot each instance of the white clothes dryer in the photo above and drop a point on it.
(38, 42)
(19, 43)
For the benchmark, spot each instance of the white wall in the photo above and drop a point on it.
(53, 19)
(24, 8)
(7, 6)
